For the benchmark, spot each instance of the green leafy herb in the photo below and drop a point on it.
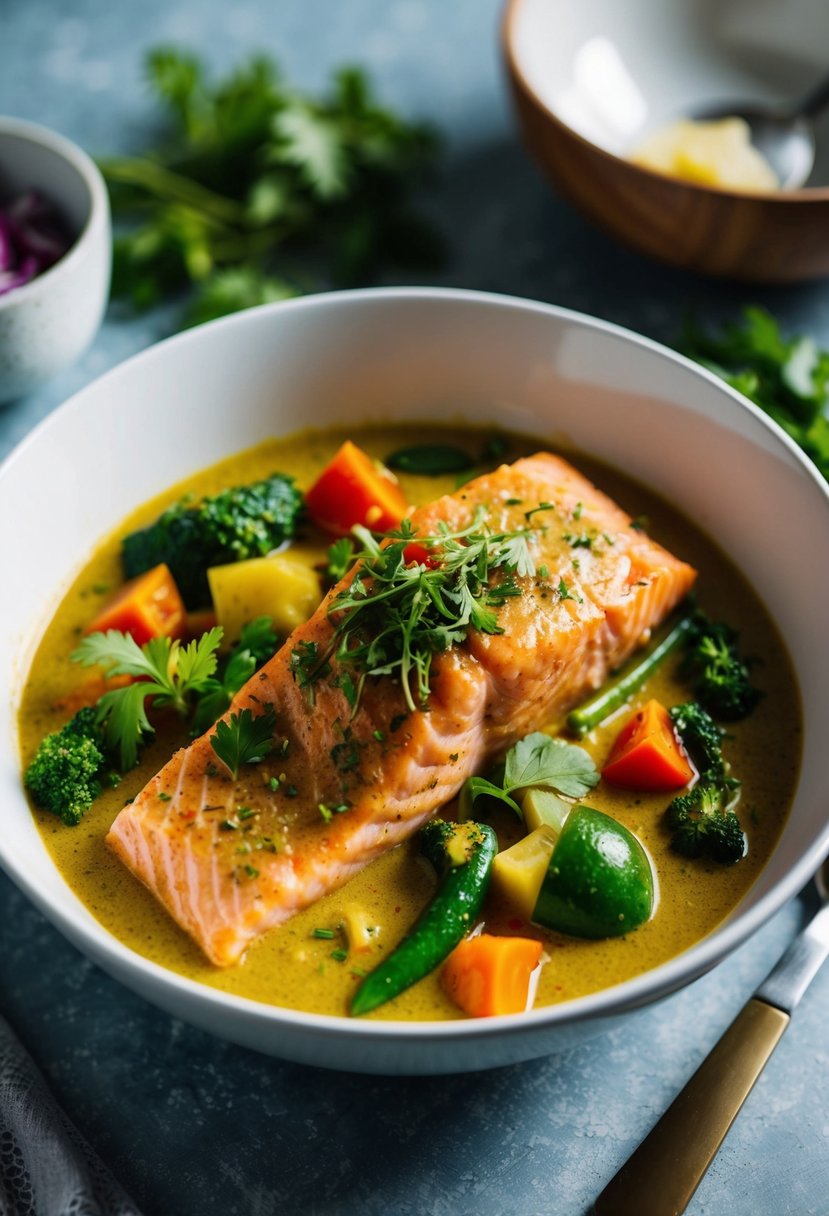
(260, 192)
(787, 377)
(395, 615)
(169, 675)
(340, 557)
(244, 738)
(537, 762)
(257, 643)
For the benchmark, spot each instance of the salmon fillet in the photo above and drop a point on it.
(231, 859)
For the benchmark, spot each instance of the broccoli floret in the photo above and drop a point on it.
(66, 773)
(701, 737)
(720, 678)
(704, 825)
(240, 523)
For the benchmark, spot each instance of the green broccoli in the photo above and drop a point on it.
(701, 738)
(240, 523)
(66, 773)
(720, 678)
(704, 825)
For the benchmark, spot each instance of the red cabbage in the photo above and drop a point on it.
(31, 239)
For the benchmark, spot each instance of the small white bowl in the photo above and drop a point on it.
(408, 355)
(48, 322)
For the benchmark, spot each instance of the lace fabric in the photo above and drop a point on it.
(46, 1166)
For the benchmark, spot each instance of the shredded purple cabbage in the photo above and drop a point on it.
(31, 239)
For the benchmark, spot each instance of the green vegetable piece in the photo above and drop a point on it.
(720, 678)
(462, 854)
(430, 459)
(704, 823)
(701, 737)
(599, 882)
(630, 678)
(240, 523)
(66, 773)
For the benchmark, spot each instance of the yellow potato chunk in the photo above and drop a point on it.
(716, 153)
(283, 587)
(517, 872)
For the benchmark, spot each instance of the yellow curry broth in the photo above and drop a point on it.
(291, 966)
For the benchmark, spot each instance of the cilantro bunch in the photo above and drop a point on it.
(787, 378)
(260, 191)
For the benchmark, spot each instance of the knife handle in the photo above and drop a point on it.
(663, 1173)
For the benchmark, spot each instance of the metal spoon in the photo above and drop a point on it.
(784, 137)
(668, 1166)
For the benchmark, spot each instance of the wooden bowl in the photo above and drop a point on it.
(590, 80)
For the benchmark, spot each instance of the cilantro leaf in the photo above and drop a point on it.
(167, 673)
(536, 762)
(244, 738)
(257, 190)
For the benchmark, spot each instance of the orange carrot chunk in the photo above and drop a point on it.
(647, 755)
(487, 975)
(148, 606)
(353, 489)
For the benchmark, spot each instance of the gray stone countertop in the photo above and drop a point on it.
(194, 1126)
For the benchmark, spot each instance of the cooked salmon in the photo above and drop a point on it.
(230, 859)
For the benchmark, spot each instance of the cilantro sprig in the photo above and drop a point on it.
(261, 191)
(787, 377)
(396, 614)
(244, 738)
(167, 675)
(257, 643)
(537, 761)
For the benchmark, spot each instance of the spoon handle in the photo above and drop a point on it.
(663, 1173)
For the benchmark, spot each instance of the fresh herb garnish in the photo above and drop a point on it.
(396, 615)
(260, 191)
(340, 557)
(787, 378)
(257, 643)
(537, 762)
(244, 738)
(169, 674)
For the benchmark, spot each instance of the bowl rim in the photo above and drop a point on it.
(98, 217)
(803, 195)
(644, 989)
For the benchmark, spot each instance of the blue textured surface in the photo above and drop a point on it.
(192, 1125)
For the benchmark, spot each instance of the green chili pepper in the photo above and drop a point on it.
(462, 854)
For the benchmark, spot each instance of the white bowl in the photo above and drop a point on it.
(48, 322)
(415, 354)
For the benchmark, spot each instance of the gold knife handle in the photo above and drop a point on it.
(662, 1175)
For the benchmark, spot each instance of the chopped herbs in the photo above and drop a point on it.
(340, 557)
(339, 955)
(244, 738)
(395, 615)
(326, 934)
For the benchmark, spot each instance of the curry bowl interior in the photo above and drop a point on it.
(410, 355)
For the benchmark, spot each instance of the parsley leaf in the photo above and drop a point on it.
(244, 738)
(168, 673)
(536, 762)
